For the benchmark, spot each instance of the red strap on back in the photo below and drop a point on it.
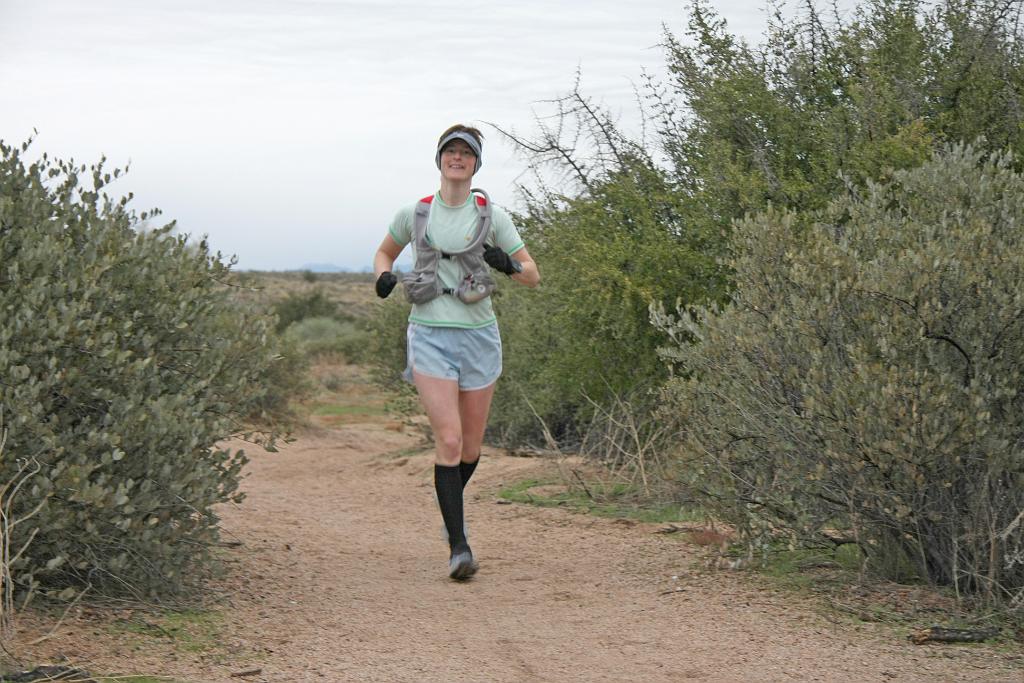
(479, 200)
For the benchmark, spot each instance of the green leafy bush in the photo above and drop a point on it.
(299, 306)
(876, 90)
(320, 336)
(865, 384)
(617, 223)
(125, 363)
(584, 338)
(385, 352)
(285, 381)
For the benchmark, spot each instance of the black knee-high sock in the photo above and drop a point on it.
(448, 484)
(466, 470)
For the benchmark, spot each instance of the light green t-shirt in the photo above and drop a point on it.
(451, 228)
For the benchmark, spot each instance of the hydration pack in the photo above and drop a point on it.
(423, 285)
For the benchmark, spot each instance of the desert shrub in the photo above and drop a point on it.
(387, 326)
(300, 306)
(385, 351)
(865, 383)
(617, 222)
(323, 336)
(285, 381)
(605, 255)
(126, 363)
(824, 96)
(628, 435)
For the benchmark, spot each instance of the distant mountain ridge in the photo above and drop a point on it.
(323, 268)
(402, 264)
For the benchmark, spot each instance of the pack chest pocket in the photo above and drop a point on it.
(423, 285)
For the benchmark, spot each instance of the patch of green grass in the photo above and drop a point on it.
(112, 678)
(190, 630)
(615, 500)
(789, 568)
(829, 573)
(195, 631)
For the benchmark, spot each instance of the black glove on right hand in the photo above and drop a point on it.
(385, 283)
(497, 258)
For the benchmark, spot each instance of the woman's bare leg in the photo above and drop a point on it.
(441, 401)
(474, 407)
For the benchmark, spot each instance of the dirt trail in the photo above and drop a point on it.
(341, 577)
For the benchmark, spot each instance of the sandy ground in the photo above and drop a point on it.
(340, 576)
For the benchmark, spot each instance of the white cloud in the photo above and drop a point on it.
(290, 131)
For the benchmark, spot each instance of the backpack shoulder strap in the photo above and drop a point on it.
(419, 220)
(483, 230)
(483, 209)
(483, 202)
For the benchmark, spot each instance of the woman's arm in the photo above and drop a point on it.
(387, 252)
(530, 276)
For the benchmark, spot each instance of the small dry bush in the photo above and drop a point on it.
(628, 435)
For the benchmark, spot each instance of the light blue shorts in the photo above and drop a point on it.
(470, 357)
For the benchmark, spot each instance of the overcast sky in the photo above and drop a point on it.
(290, 131)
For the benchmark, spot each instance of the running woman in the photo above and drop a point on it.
(453, 348)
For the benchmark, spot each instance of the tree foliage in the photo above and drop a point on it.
(864, 375)
(617, 223)
(606, 254)
(125, 363)
(778, 123)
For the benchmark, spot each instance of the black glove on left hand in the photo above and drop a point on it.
(497, 258)
(385, 283)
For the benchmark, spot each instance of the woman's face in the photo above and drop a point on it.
(458, 161)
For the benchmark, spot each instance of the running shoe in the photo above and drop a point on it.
(461, 566)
